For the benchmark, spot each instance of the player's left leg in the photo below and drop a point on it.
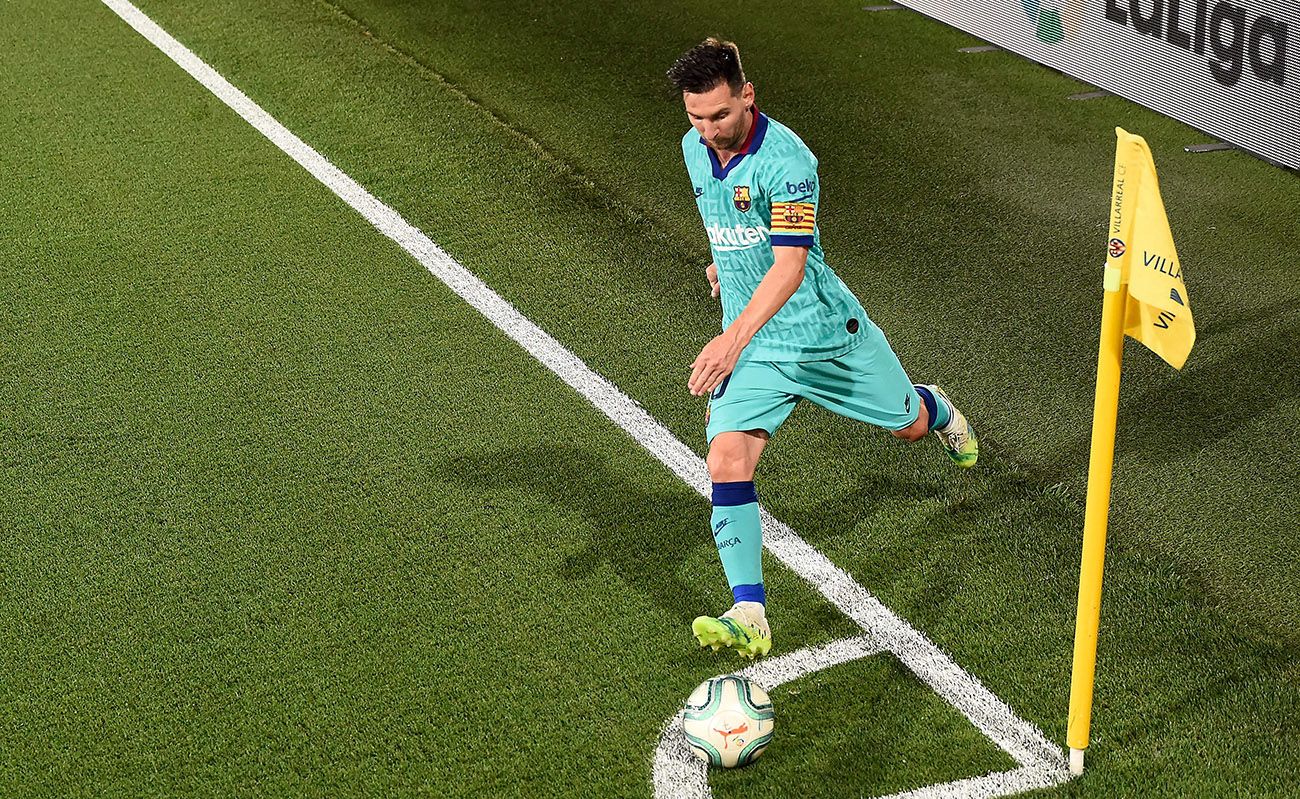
(869, 384)
(949, 425)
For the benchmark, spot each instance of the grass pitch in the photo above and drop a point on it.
(284, 517)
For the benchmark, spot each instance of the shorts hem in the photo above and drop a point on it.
(915, 416)
(709, 436)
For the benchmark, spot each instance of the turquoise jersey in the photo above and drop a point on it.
(766, 196)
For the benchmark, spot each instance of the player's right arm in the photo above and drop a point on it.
(711, 272)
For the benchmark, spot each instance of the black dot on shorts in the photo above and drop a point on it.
(852, 326)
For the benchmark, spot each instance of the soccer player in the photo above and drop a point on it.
(791, 328)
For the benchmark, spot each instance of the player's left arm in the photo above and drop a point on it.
(793, 191)
(719, 356)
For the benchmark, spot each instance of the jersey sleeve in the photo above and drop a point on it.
(793, 192)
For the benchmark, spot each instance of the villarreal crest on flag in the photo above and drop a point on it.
(1141, 253)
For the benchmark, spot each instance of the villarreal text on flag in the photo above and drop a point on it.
(1158, 312)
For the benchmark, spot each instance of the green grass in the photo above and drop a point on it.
(840, 730)
(285, 517)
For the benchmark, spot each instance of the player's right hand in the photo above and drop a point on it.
(711, 272)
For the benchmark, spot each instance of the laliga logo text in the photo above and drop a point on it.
(1226, 30)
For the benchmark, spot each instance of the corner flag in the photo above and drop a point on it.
(1144, 298)
(1158, 313)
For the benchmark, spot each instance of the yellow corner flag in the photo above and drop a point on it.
(1144, 298)
(1158, 313)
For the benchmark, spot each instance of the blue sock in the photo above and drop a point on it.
(738, 534)
(940, 413)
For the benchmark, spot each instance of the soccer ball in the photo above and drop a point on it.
(728, 721)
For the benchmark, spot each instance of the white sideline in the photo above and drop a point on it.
(1042, 762)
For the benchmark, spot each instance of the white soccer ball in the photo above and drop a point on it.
(728, 721)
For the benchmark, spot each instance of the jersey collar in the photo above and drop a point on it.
(752, 142)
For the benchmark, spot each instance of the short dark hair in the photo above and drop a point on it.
(706, 65)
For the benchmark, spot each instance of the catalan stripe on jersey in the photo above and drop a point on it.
(793, 217)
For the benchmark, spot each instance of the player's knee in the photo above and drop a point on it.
(729, 464)
(913, 432)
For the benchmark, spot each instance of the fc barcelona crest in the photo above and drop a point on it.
(741, 199)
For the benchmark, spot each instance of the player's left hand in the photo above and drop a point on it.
(714, 363)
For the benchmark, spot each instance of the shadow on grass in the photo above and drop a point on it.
(1214, 397)
(644, 536)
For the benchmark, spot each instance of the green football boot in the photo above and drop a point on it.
(743, 628)
(957, 437)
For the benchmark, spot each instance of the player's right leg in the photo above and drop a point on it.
(742, 628)
(743, 413)
(738, 535)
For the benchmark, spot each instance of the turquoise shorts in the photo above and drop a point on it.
(867, 383)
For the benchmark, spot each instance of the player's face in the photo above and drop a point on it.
(719, 115)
